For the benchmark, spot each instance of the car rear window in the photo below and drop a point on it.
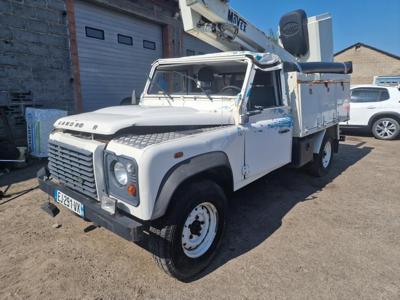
(384, 94)
(369, 94)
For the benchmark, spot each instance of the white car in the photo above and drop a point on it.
(376, 108)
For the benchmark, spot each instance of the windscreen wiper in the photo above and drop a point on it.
(195, 81)
(163, 90)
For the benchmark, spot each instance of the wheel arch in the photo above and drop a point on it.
(214, 166)
(383, 114)
(318, 138)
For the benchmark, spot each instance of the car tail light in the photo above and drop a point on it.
(346, 106)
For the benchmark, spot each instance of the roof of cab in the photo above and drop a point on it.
(260, 58)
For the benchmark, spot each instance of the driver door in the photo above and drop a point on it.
(268, 134)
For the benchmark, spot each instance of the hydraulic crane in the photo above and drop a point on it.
(301, 39)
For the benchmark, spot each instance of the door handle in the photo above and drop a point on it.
(371, 107)
(285, 130)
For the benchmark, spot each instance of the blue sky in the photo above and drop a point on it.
(376, 23)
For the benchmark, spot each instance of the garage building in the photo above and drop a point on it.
(115, 51)
(81, 55)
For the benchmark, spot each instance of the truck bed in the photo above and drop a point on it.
(318, 101)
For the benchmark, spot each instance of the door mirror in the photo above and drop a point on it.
(245, 118)
(129, 100)
(133, 97)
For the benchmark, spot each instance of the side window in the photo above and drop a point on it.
(94, 33)
(363, 95)
(384, 95)
(189, 52)
(125, 39)
(265, 91)
(149, 45)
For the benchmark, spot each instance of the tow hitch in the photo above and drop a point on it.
(50, 208)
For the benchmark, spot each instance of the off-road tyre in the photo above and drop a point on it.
(166, 243)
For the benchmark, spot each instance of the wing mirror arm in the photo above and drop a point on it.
(254, 112)
(133, 97)
(245, 117)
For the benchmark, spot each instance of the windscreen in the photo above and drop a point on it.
(208, 79)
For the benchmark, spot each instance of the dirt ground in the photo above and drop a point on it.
(290, 236)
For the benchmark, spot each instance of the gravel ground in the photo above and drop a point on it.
(289, 236)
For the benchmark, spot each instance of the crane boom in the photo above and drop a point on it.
(216, 23)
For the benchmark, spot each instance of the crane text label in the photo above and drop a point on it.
(236, 20)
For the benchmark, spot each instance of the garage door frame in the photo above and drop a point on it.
(166, 31)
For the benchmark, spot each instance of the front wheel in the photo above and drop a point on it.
(323, 160)
(386, 129)
(191, 232)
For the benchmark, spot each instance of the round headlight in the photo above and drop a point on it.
(120, 173)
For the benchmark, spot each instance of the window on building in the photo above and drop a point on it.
(369, 95)
(189, 52)
(94, 33)
(125, 39)
(266, 91)
(149, 45)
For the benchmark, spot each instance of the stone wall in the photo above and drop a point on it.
(368, 63)
(34, 51)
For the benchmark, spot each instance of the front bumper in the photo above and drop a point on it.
(119, 223)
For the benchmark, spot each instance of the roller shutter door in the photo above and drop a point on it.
(115, 53)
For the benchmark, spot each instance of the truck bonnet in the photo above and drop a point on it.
(110, 120)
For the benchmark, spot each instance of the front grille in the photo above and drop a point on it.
(72, 167)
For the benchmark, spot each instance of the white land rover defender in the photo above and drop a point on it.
(160, 172)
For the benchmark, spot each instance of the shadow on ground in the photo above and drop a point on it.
(356, 132)
(17, 175)
(360, 132)
(258, 209)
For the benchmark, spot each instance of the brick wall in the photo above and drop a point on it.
(368, 63)
(34, 51)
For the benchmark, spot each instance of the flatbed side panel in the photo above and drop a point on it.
(317, 101)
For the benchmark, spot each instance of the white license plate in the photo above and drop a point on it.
(69, 203)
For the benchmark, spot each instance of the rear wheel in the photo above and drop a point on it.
(191, 232)
(386, 129)
(323, 160)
